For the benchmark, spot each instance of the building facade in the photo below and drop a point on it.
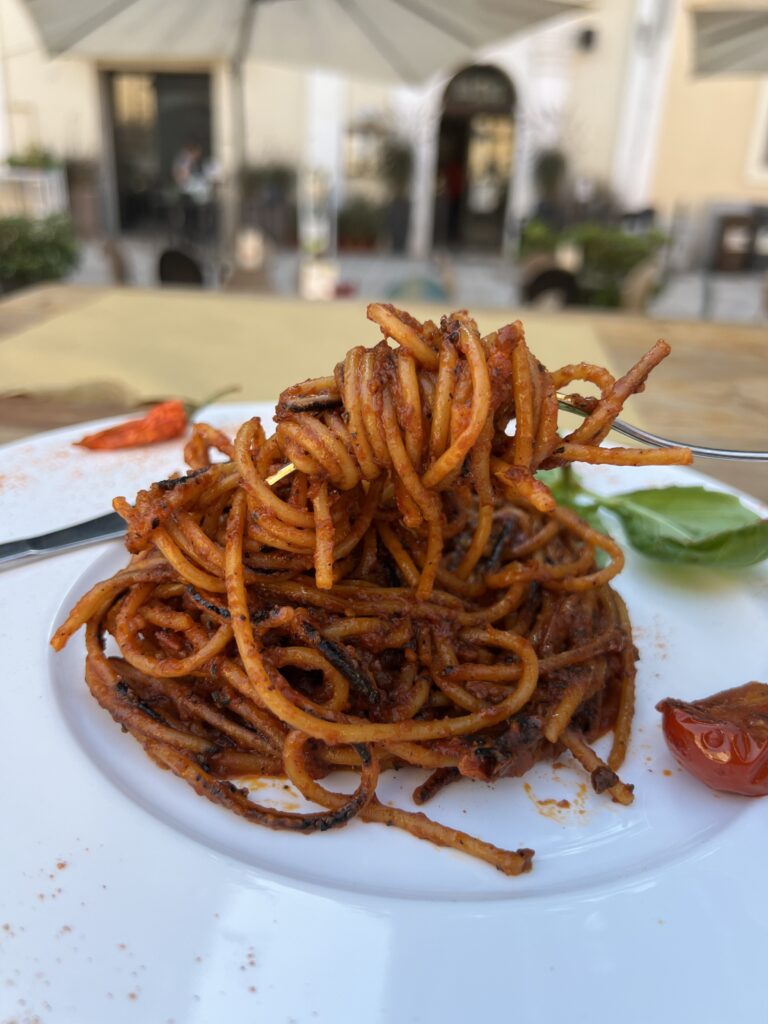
(612, 89)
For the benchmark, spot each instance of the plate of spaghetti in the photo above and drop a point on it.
(362, 656)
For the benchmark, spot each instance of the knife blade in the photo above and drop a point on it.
(77, 536)
(102, 528)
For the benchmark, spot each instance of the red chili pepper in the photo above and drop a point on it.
(722, 740)
(163, 422)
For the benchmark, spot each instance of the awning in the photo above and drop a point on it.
(731, 38)
(397, 40)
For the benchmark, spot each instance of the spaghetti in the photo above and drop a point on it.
(410, 595)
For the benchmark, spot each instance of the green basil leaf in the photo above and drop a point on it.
(692, 525)
(689, 525)
(688, 513)
(731, 549)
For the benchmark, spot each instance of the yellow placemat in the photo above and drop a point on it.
(165, 342)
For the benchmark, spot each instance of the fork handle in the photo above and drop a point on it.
(663, 442)
(702, 451)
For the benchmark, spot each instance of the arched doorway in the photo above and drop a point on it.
(474, 159)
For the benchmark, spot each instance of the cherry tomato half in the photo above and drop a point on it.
(722, 740)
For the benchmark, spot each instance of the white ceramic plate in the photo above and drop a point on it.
(128, 898)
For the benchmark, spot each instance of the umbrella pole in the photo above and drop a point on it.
(233, 200)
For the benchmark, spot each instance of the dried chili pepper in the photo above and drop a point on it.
(163, 422)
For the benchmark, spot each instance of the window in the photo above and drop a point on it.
(757, 162)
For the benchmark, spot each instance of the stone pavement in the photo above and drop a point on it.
(468, 280)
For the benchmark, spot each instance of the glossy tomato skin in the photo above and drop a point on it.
(722, 740)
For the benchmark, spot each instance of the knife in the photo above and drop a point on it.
(27, 550)
(78, 536)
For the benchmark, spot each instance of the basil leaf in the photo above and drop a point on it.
(688, 513)
(691, 525)
(730, 549)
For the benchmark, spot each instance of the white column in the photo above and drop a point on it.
(519, 189)
(325, 126)
(645, 85)
(225, 146)
(5, 134)
(538, 68)
(5, 127)
(426, 128)
(407, 103)
(322, 153)
(221, 117)
(108, 172)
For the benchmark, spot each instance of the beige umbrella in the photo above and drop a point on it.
(400, 40)
(731, 38)
(389, 40)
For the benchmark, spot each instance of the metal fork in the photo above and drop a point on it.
(664, 442)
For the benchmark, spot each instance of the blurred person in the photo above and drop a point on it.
(454, 178)
(188, 171)
(194, 178)
(485, 191)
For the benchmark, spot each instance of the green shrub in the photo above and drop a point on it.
(609, 250)
(536, 237)
(397, 166)
(35, 250)
(550, 169)
(34, 158)
(360, 222)
(609, 254)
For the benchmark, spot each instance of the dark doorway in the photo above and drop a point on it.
(474, 159)
(154, 118)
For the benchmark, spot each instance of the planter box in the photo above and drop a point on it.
(29, 192)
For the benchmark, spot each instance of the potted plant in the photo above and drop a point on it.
(34, 159)
(35, 250)
(550, 169)
(609, 255)
(83, 188)
(360, 223)
(269, 200)
(397, 170)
